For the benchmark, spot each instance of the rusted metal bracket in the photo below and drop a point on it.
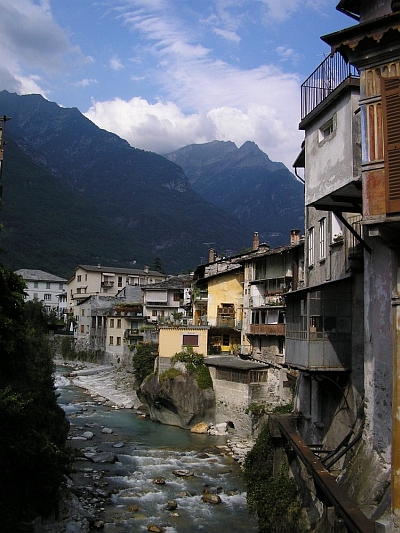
(354, 518)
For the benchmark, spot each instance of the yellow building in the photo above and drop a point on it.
(218, 302)
(175, 339)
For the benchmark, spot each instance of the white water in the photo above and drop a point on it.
(152, 450)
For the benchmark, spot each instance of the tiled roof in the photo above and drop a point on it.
(118, 270)
(38, 275)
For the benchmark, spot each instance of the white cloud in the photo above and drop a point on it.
(116, 63)
(227, 104)
(288, 54)
(228, 35)
(85, 82)
(30, 40)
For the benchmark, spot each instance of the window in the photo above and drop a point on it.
(47, 285)
(118, 341)
(111, 322)
(60, 286)
(111, 339)
(154, 312)
(47, 296)
(176, 297)
(327, 130)
(225, 339)
(82, 312)
(78, 290)
(189, 339)
(85, 277)
(322, 239)
(119, 323)
(35, 294)
(82, 328)
(35, 284)
(119, 281)
(310, 247)
(336, 230)
(79, 278)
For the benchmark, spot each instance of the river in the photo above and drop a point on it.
(124, 493)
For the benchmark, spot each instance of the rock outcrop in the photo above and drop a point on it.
(177, 401)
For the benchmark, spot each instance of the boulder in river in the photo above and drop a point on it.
(208, 497)
(159, 480)
(201, 427)
(102, 457)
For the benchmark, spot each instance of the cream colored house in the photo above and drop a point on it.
(106, 281)
(176, 339)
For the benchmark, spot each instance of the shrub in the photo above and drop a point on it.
(143, 360)
(273, 499)
(194, 364)
(171, 373)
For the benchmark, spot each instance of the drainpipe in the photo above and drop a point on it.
(396, 406)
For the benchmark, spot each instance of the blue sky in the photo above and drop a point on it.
(166, 73)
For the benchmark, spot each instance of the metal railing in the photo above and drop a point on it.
(323, 81)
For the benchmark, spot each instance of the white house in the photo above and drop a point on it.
(47, 288)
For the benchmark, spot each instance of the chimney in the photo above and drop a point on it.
(256, 241)
(294, 236)
(211, 255)
(146, 270)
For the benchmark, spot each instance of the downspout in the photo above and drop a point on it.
(396, 406)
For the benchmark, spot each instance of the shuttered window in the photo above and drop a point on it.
(391, 123)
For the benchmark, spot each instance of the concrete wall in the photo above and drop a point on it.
(333, 161)
(231, 402)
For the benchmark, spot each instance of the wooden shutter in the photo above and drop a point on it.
(391, 126)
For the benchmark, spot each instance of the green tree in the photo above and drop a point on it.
(33, 428)
(143, 360)
(157, 265)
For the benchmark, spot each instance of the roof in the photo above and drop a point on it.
(231, 361)
(118, 270)
(173, 282)
(38, 275)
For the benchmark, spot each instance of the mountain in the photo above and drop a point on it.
(261, 193)
(74, 193)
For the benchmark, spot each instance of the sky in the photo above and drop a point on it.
(163, 74)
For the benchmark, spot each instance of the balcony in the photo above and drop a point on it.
(268, 329)
(323, 81)
(131, 333)
(107, 284)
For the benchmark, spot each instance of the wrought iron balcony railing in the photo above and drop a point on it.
(323, 81)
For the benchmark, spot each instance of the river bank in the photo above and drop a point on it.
(99, 485)
(115, 385)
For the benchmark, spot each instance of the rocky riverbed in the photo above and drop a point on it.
(95, 486)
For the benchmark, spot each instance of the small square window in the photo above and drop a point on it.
(190, 340)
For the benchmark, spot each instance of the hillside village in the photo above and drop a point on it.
(315, 322)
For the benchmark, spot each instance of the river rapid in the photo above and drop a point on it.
(159, 473)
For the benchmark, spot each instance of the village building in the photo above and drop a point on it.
(342, 331)
(168, 301)
(47, 288)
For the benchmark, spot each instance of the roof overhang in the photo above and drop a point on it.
(346, 199)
